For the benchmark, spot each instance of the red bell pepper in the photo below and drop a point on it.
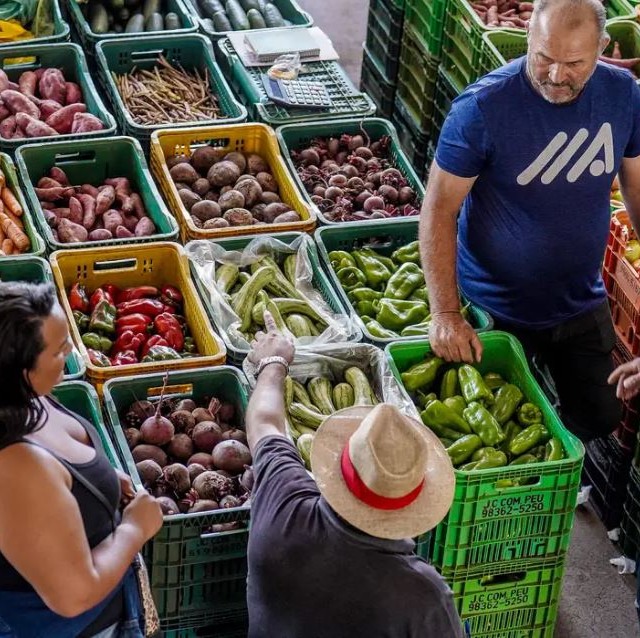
(128, 340)
(169, 327)
(137, 323)
(100, 294)
(150, 307)
(137, 292)
(124, 358)
(154, 340)
(114, 291)
(78, 299)
(171, 296)
(98, 358)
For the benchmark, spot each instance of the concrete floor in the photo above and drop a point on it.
(596, 602)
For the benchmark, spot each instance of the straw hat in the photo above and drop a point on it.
(383, 472)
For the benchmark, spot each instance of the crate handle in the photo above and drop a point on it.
(128, 263)
(77, 156)
(147, 56)
(178, 389)
(501, 579)
(33, 61)
(208, 535)
(517, 486)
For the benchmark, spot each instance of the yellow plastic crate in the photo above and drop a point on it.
(156, 264)
(246, 138)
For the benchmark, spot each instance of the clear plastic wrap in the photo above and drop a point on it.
(205, 255)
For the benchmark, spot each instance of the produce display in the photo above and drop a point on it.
(133, 325)
(239, 15)
(132, 16)
(511, 14)
(13, 239)
(43, 104)
(234, 189)
(193, 458)
(389, 294)
(632, 246)
(167, 93)
(615, 58)
(84, 213)
(308, 406)
(483, 421)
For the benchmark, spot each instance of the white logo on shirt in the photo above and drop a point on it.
(602, 140)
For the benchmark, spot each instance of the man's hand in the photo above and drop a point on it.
(453, 339)
(271, 344)
(627, 378)
(127, 492)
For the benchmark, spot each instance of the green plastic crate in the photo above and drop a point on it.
(426, 18)
(195, 575)
(347, 101)
(627, 34)
(70, 60)
(509, 528)
(417, 79)
(413, 140)
(384, 34)
(88, 39)
(391, 234)
(81, 398)
(500, 47)
(620, 9)
(320, 282)
(8, 167)
(93, 161)
(297, 136)
(191, 51)
(374, 84)
(523, 603)
(445, 93)
(60, 33)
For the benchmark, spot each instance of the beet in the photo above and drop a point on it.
(202, 414)
(149, 472)
(202, 458)
(333, 192)
(355, 142)
(373, 203)
(226, 412)
(168, 506)
(176, 477)
(181, 447)
(212, 485)
(230, 501)
(203, 505)
(333, 145)
(363, 151)
(338, 180)
(206, 435)
(133, 437)
(195, 469)
(388, 193)
(231, 456)
(405, 195)
(153, 452)
(349, 170)
(235, 434)
(182, 420)
(247, 479)
(310, 156)
(186, 404)
(138, 412)
(157, 430)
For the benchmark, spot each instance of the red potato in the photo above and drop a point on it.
(8, 127)
(105, 199)
(88, 208)
(71, 233)
(18, 103)
(52, 86)
(62, 119)
(48, 108)
(74, 93)
(27, 83)
(86, 123)
(33, 127)
(145, 228)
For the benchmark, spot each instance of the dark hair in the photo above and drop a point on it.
(23, 307)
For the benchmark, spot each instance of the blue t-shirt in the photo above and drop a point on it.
(533, 229)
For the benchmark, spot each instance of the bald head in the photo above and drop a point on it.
(570, 15)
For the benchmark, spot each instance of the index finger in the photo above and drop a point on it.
(622, 370)
(476, 345)
(269, 322)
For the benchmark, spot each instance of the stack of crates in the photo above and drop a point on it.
(381, 56)
(630, 524)
(446, 91)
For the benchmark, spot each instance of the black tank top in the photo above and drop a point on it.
(98, 522)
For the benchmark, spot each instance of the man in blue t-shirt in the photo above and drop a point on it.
(528, 153)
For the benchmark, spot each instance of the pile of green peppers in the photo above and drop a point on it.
(484, 422)
(388, 293)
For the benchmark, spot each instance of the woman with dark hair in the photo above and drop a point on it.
(65, 551)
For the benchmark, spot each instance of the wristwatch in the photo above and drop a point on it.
(263, 363)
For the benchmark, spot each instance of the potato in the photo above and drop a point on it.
(238, 159)
(255, 164)
(267, 182)
(196, 222)
(204, 158)
(270, 198)
(172, 160)
(238, 217)
(215, 223)
(201, 186)
(287, 218)
(205, 210)
(145, 228)
(212, 196)
(188, 198)
(258, 212)
(231, 199)
(111, 220)
(184, 173)
(250, 190)
(100, 234)
(223, 173)
(271, 211)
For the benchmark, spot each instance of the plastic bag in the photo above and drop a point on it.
(21, 10)
(205, 255)
(285, 67)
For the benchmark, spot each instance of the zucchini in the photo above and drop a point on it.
(209, 8)
(290, 261)
(320, 391)
(304, 444)
(307, 417)
(236, 15)
(247, 5)
(363, 394)
(256, 21)
(288, 390)
(123, 15)
(272, 15)
(171, 21)
(154, 22)
(98, 19)
(246, 298)
(135, 24)
(149, 7)
(297, 325)
(279, 284)
(287, 305)
(301, 395)
(343, 396)
(116, 4)
(221, 22)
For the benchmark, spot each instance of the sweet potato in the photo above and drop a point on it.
(8, 127)
(88, 209)
(52, 86)
(59, 175)
(100, 234)
(53, 194)
(89, 189)
(74, 93)
(86, 123)
(70, 233)
(4, 112)
(62, 120)
(112, 219)
(138, 205)
(145, 227)
(48, 108)
(130, 222)
(76, 212)
(4, 80)
(50, 217)
(123, 233)
(13, 86)
(62, 212)
(27, 83)
(18, 103)
(47, 205)
(48, 182)
(34, 127)
(105, 199)
(123, 192)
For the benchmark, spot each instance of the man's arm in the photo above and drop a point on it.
(451, 336)
(629, 176)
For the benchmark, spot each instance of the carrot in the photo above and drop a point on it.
(11, 202)
(7, 247)
(16, 220)
(14, 233)
(2, 235)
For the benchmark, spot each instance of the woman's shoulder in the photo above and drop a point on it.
(23, 461)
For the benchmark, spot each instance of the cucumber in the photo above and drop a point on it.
(154, 22)
(221, 22)
(98, 19)
(151, 6)
(247, 5)
(123, 15)
(171, 22)
(236, 15)
(116, 4)
(135, 24)
(210, 7)
(272, 15)
(256, 21)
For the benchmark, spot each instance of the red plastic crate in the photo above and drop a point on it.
(627, 431)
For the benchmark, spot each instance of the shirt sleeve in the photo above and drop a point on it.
(463, 145)
(633, 145)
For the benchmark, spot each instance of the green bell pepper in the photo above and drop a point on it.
(421, 375)
(445, 441)
(160, 353)
(507, 399)
(97, 342)
(441, 431)
(553, 450)
(482, 452)
(375, 271)
(404, 281)
(408, 253)
(483, 424)
(397, 314)
(492, 460)
(103, 318)
(425, 399)
(341, 259)
(511, 429)
(437, 413)
(420, 294)
(376, 330)
(463, 448)
(81, 320)
(366, 308)
(528, 414)
(449, 386)
(456, 403)
(351, 278)
(527, 439)
(363, 294)
(493, 380)
(539, 452)
(416, 330)
(468, 467)
(524, 459)
(473, 386)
